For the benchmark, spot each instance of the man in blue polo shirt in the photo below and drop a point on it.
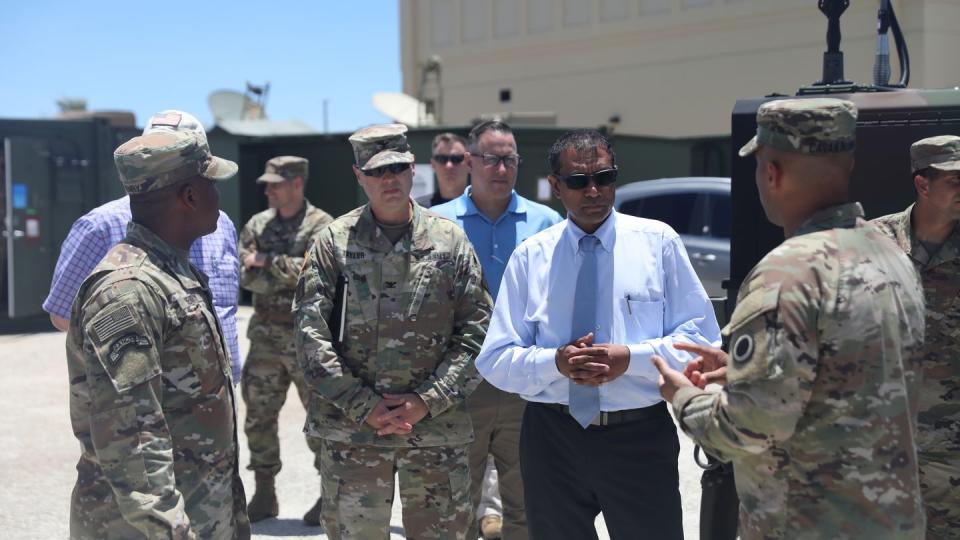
(496, 221)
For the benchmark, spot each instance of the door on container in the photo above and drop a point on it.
(27, 252)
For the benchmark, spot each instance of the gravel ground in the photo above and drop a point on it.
(38, 451)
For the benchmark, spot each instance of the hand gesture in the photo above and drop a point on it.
(709, 367)
(671, 380)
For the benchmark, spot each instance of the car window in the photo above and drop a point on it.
(719, 216)
(632, 207)
(675, 209)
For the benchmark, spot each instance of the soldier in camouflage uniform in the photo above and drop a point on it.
(272, 246)
(929, 233)
(151, 399)
(818, 412)
(389, 388)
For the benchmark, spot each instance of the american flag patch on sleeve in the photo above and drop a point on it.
(114, 322)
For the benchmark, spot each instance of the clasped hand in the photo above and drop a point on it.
(586, 363)
(396, 414)
(255, 259)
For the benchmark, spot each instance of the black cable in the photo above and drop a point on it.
(881, 64)
(903, 55)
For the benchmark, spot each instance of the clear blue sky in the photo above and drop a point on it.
(172, 54)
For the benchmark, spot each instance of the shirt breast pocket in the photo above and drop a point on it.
(431, 289)
(197, 342)
(643, 319)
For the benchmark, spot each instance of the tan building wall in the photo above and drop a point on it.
(665, 67)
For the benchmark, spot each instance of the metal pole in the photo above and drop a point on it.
(325, 124)
(8, 224)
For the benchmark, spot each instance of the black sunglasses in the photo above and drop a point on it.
(394, 169)
(442, 159)
(582, 180)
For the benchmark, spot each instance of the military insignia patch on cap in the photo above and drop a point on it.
(743, 348)
(166, 119)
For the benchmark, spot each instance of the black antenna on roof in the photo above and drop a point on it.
(833, 57)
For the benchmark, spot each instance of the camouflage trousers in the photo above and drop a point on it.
(358, 491)
(940, 483)
(95, 513)
(264, 383)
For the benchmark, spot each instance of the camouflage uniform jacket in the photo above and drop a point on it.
(416, 315)
(284, 242)
(938, 439)
(151, 398)
(818, 413)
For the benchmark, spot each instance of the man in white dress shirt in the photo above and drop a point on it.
(582, 307)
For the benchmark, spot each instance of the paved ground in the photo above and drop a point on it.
(38, 451)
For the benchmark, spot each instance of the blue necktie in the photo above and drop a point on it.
(585, 400)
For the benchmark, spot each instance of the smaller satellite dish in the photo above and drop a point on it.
(402, 108)
(227, 105)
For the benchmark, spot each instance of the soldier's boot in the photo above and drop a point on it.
(264, 503)
(312, 517)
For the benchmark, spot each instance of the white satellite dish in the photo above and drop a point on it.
(403, 108)
(226, 105)
(230, 105)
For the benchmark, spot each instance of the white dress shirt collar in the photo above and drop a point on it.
(607, 233)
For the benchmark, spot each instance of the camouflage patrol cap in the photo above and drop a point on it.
(163, 158)
(805, 126)
(941, 153)
(174, 120)
(380, 145)
(283, 168)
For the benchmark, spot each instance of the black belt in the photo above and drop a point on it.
(614, 417)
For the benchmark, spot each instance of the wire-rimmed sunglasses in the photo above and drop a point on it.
(393, 168)
(582, 180)
(443, 159)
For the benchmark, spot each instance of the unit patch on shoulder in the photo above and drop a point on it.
(743, 348)
(138, 341)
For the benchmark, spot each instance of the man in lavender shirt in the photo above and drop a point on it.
(95, 233)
